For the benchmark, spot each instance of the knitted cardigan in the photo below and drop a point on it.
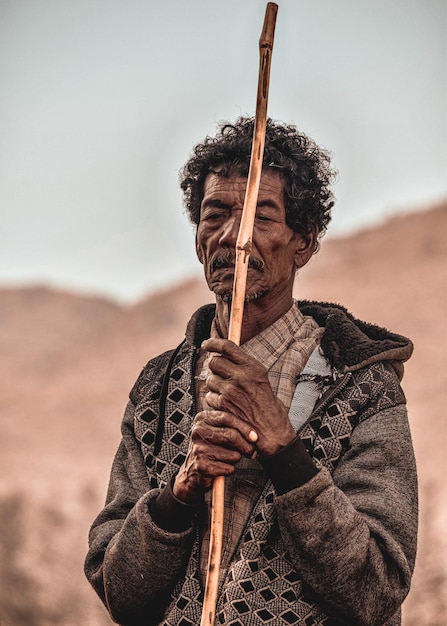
(338, 550)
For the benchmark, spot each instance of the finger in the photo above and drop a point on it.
(219, 401)
(215, 400)
(216, 454)
(199, 470)
(221, 366)
(227, 439)
(225, 348)
(226, 419)
(235, 364)
(225, 429)
(219, 386)
(219, 468)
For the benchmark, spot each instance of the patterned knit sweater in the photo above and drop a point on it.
(340, 549)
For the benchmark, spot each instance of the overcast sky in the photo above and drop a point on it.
(101, 102)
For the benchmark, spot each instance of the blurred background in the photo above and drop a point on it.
(101, 103)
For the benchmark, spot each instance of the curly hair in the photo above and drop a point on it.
(304, 166)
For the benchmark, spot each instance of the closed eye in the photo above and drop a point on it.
(214, 209)
(211, 215)
(268, 211)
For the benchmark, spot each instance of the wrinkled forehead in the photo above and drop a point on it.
(230, 191)
(225, 178)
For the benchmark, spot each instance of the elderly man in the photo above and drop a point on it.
(306, 419)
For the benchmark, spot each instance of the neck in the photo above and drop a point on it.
(256, 318)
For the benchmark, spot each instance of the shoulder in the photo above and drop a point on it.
(374, 388)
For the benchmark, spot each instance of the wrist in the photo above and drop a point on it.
(274, 446)
(183, 492)
(170, 513)
(291, 467)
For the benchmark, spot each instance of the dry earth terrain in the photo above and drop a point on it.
(68, 362)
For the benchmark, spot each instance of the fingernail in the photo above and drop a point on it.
(253, 436)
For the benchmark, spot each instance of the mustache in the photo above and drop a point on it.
(227, 258)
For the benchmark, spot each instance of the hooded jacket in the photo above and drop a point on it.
(339, 549)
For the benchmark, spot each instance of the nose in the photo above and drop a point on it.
(230, 230)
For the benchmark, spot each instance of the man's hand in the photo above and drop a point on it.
(239, 385)
(218, 441)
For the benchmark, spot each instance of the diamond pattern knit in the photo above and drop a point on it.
(260, 586)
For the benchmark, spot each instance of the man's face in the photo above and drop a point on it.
(277, 250)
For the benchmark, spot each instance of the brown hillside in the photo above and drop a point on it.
(68, 362)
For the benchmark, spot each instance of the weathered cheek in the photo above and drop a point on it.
(201, 236)
(205, 239)
(202, 251)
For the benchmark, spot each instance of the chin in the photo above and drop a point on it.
(224, 295)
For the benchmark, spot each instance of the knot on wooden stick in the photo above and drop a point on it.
(246, 249)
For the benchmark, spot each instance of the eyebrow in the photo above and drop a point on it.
(220, 204)
(267, 203)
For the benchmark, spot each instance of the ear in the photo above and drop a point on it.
(199, 251)
(305, 247)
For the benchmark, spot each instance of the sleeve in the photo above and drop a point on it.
(133, 564)
(352, 535)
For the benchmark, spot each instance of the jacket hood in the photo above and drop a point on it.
(348, 343)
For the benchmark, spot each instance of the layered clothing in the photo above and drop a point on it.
(338, 549)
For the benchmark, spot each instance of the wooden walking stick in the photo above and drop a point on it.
(243, 250)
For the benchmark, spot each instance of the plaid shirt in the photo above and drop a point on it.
(283, 348)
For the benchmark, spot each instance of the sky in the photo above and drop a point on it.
(101, 102)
